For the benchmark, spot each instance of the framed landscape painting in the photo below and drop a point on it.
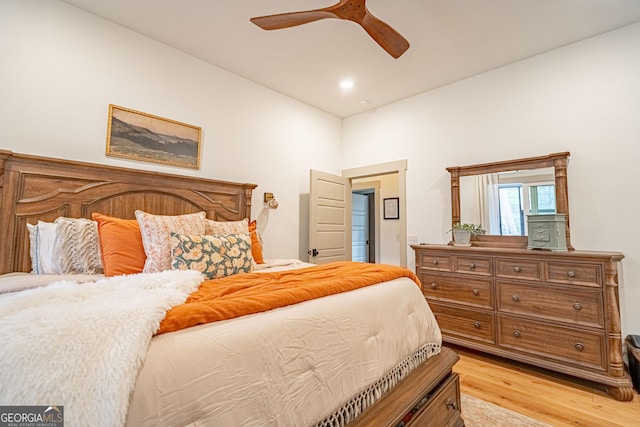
(140, 136)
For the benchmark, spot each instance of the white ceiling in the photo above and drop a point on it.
(450, 40)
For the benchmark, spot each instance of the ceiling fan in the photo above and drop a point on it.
(352, 10)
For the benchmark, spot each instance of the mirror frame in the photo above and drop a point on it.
(559, 162)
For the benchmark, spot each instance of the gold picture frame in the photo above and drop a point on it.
(144, 137)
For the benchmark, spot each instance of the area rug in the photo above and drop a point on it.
(479, 413)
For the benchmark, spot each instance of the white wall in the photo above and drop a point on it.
(62, 67)
(583, 98)
(389, 228)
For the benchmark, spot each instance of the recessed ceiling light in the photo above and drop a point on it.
(346, 84)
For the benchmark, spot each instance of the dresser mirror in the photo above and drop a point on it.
(500, 195)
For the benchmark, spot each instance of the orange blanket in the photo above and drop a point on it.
(242, 294)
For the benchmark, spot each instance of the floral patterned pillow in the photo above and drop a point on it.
(214, 256)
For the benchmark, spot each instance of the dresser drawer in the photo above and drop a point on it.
(574, 274)
(472, 291)
(473, 265)
(442, 408)
(463, 323)
(435, 262)
(519, 268)
(540, 232)
(566, 345)
(577, 306)
(542, 244)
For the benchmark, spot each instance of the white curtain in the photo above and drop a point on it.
(479, 201)
(487, 187)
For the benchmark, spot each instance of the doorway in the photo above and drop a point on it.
(363, 225)
(330, 230)
(390, 236)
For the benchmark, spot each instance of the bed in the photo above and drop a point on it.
(329, 361)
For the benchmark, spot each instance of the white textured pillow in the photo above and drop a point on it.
(217, 228)
(33, 248)
(42, 238)
(65, 246)
(156, 236)
(78, 246)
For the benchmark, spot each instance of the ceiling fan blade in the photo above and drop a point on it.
(388, 38)
(352, 10)
(286, 20)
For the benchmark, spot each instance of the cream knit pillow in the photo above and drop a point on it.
(217, 228)
(77, 246)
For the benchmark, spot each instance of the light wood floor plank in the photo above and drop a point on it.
(553, 398)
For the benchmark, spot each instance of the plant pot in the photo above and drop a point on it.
(461, 238)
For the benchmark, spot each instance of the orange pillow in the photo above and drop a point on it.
(256, 246)
(120, 245)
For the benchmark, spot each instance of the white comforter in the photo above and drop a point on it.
(286, 367)
(292, 366)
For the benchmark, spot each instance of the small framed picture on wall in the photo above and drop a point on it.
(391, 208)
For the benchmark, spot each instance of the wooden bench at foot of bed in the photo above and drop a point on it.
(433, 389)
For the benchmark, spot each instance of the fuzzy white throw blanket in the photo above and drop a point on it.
(81, 345)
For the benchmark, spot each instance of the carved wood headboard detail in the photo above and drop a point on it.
(36, 188)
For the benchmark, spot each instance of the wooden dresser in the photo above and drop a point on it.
(556, 310)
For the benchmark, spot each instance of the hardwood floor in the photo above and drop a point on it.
(547, 396)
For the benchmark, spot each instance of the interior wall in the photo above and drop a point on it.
(389, 228)
(62, 67)
(582, 98)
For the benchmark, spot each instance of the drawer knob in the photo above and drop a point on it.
(516, 333)
(571, 273)
(472, 266)
(434, 285)
(579, 346)
(435, 262)
(476, 324)
(452, 405)
(515, 298)
(476, 292)
(577, 306)
(516, 269)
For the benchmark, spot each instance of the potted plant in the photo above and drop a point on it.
(462, 233)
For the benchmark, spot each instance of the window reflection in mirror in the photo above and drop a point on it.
(501, 201)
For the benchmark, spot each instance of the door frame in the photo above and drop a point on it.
(399, 167)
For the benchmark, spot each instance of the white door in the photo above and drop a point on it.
(360, 227)
(329, 218)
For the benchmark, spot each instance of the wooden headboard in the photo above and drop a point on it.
(36, 188)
